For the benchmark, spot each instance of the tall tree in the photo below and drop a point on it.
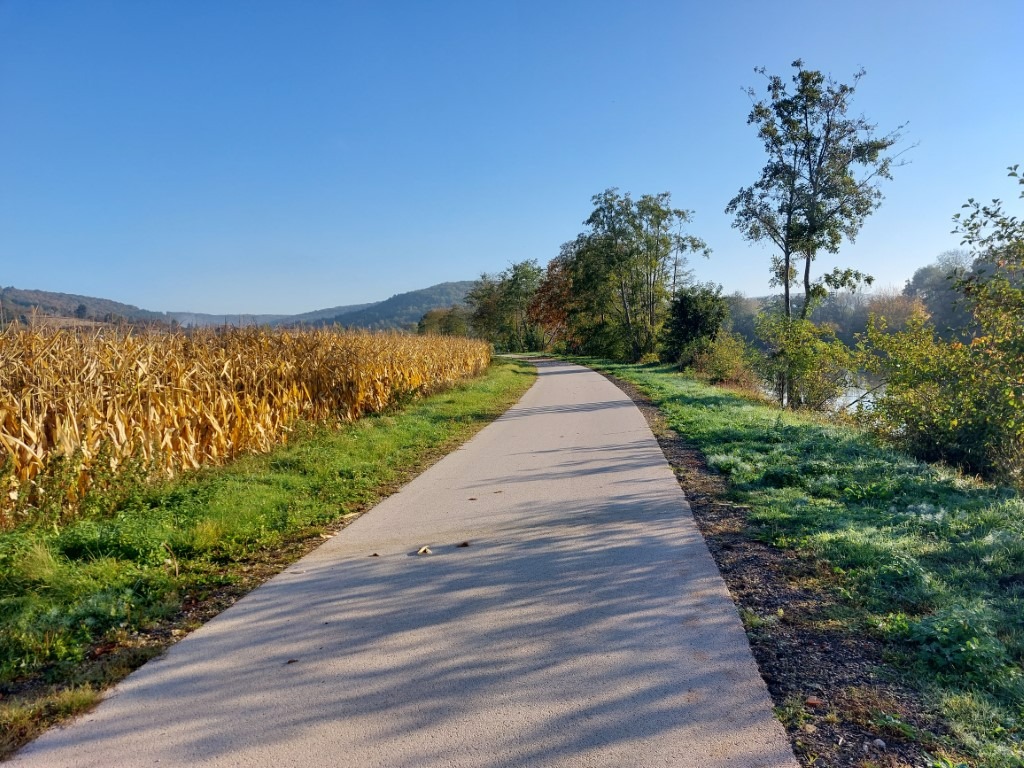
(631, 255)
(820, 183)
(484, 302)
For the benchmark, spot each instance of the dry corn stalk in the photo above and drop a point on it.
(183, 400)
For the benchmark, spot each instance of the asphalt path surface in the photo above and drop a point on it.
(585, 624)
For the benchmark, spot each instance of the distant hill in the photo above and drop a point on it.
(400, 311)
(403, 310)
(203, 320)
(320, 314)
(18, 303)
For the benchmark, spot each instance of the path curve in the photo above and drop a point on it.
(584, 625)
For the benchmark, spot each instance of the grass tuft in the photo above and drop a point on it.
(22, 721)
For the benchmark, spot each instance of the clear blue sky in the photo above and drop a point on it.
(247, 157)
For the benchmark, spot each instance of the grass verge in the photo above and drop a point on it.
(84, 604)
(858, 557)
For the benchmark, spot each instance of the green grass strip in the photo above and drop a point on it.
(930, 560)
(79, 605)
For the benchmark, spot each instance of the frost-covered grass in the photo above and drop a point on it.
(922, 556)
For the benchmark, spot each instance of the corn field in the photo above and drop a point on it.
(95, 401)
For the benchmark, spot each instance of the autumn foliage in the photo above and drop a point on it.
(964, 402)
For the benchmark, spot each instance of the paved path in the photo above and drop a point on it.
(584, 625)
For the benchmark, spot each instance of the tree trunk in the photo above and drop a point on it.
(787, 265)
(806, 309)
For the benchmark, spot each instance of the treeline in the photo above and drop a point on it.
(945, 354)
(932, 291)
(607, 293)
(567, 308)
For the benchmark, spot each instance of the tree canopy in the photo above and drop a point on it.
(623, 269)
(820, 183)
(499, 307)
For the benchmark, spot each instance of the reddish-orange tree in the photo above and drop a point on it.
(551, 304)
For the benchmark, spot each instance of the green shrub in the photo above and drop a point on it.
(962, 403)
(696, 315)
(724, 360)
(942, 401)
(805, 366)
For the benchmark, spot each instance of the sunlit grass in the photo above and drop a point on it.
(928, 560)
(102, 580)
